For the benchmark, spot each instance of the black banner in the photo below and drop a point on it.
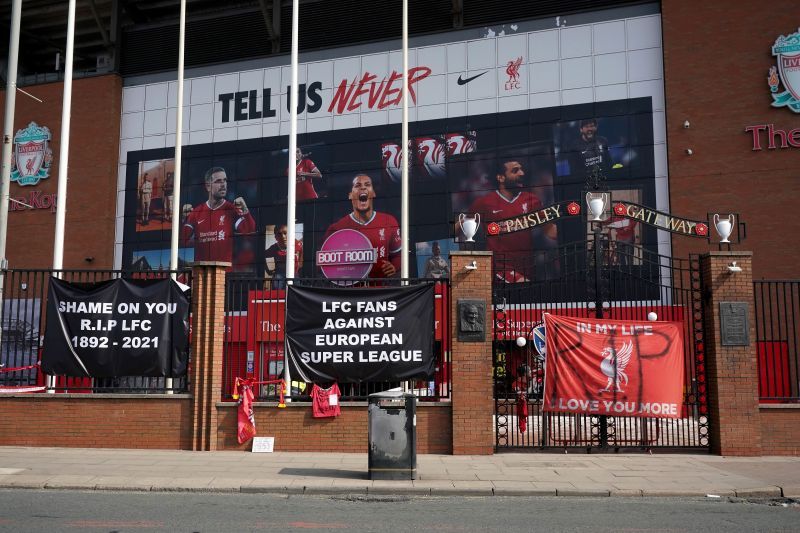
(351, 335)
(116, 328)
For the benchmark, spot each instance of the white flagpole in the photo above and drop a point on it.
(63, 156)
(176, 189)
(291, 180)
(176, 196)
(404, 192)
(8, 136)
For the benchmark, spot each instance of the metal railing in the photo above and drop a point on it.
(777, 310)
(254, 339)
(597, 278)
(23, 321)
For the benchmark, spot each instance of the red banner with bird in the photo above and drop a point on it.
(613, 367)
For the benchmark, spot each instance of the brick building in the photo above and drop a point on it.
(678, 91)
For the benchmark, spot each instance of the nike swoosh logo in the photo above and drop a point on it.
(462, 81)
(495, 211)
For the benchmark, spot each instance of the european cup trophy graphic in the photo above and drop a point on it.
(597, 203)
(469, 225)
(724, 227)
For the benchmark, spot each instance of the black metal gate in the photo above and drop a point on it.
(597, 278)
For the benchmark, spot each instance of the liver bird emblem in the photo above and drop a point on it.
(512, 69)
(613, 365)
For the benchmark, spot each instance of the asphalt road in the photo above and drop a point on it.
(50, 510)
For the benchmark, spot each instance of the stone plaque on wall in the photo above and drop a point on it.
(471, 320)
(734, 326)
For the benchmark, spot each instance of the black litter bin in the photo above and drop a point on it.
(392, 435)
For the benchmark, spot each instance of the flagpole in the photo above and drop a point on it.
(8, 136)
(176, 206)
(63, 157)
(404, 192)
(404, 188)
(291, 180)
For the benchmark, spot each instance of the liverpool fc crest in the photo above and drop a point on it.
(787, 52)
(32, 155)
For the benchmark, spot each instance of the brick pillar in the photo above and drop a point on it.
(473, 404)
(731, 371)
(208, 333)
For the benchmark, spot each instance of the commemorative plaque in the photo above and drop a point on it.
(734, 326)
(471, 320)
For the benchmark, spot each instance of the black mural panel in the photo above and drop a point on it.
(457, 166)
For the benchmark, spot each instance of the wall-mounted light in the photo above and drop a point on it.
(689, 151)
(686, 124)
(88, 259)
(472, 265)
(733, 268)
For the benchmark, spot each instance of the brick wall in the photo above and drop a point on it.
(780, 429)
(208, 333)
(731, 371)
(92, 187)
(473, 402)
(96, 421)
(716, 59)
(296, 430)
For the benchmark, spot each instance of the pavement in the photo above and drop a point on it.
(504, 474)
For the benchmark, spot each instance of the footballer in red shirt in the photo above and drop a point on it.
(307, 172)
(381, 229)
(276, 269)
(512, 252)
(210, 226)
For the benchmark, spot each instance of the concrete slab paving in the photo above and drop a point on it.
(465, 488)
(404, 486)
(433, 485)
(626, 493)
(759, 492)
(631, 475)
(791, 491)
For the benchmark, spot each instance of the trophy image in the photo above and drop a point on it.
(597, 202)
(724, 227)
(469, 225)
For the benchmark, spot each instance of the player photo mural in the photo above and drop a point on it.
(433, 259)
(512, 195)
(625, 234)
(428, 154)
(503, 167)
(212, 225)
(307, 176)
(275, 254)
(589, 153)
(155, 186)
(364, 243)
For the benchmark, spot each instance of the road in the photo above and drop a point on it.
(51, 510)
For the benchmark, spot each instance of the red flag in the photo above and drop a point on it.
(522, 411)
(614, 367)
(247, 422)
